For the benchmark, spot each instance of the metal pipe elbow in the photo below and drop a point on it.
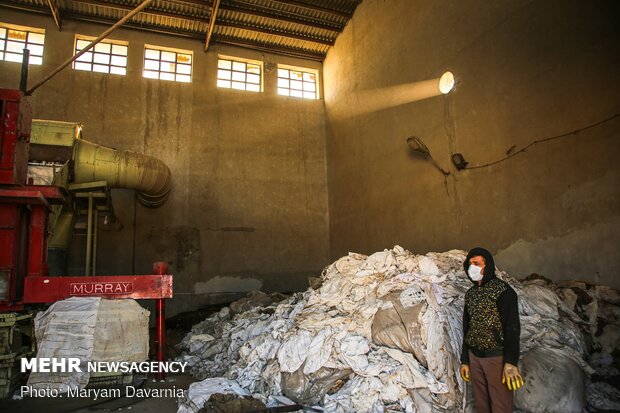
(149, 176)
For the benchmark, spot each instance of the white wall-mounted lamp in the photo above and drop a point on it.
(446, 83)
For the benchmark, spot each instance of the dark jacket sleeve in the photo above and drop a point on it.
(508, 307)
(465, 349)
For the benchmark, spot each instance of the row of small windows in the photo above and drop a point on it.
(12, 42)
(110, 56)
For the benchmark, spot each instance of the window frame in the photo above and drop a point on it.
(159, 71)
(302, 70)
(93, 51)
(27, 42)
(246, 61)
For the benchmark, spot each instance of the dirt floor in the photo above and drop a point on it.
(134, 404)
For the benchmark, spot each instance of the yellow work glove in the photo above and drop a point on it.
(511, 377)
(465, 372)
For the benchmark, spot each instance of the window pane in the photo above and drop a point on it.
(151, 54)
(2, 45)
(282, 91)
(253, 79)
(118, 70)
(240, 66)
(101, 68)
(309, 95)
(2, 32)
(102, 58)
(150, 74)
(297, 93)
(80, 44)
(151, 64)
(168, 56)
(224, 74)
(241, 74)
(1, 55)
(184, 69)
(309, 77)
(309, 87)
(223, 83)
(15, 47)
(103, 47)
(283, 73)
(12, 57)
(296, 75)
(118, 49)
(36, 38)
(184, 58)
(36, 60)
(296, 84)
(17, 35)
(35, 50)
(238, 76)
(119, 61)
(86, 57)
(82, 66)
(283, 83)
(167, 67)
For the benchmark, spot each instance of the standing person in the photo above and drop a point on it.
(491, 330)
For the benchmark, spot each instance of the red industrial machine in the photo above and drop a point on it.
(24, 229)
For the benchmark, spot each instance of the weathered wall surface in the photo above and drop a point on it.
(249, 204)
(526, 70)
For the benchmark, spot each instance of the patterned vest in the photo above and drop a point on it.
(485, 325)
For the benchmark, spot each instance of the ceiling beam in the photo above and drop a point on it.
(315, 8)
(254, 10)
(275, 31)
(211, 25)
(137, 26)
(270, 48)
(200, 3)
(55, 13)
(117, 6)
(103, 20)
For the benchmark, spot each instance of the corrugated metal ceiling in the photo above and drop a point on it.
(301, 28)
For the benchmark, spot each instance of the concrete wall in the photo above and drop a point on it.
(526, 70)
(249, 205)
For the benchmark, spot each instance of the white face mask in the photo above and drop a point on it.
(475, 272)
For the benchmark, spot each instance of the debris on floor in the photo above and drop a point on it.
(383, 333)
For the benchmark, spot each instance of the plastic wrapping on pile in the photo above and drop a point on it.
(90, 329)
(381, 333)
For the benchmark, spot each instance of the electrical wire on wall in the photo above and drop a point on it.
(564, 135)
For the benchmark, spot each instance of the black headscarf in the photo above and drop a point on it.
(489, 266)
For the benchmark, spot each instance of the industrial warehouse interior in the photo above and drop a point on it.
(280, 206)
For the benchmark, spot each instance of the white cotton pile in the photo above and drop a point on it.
(334, 346)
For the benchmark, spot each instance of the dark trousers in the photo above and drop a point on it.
(490, 395)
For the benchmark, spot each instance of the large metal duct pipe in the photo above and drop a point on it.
(149, 176)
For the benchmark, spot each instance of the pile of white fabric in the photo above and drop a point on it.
(382, 333)
(599, 306)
